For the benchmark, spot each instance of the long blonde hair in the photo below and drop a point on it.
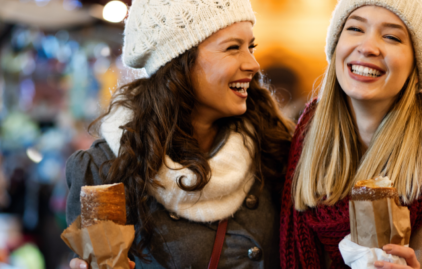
(331, 161)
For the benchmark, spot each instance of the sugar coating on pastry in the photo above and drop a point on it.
(103, 202)
(374, 189)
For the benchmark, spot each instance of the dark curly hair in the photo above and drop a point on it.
(163, 105)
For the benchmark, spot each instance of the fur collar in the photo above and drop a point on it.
(231, 179)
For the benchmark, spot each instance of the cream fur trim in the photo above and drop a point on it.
(232, 176)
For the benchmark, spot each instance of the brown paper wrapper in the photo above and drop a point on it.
(104, 245)
(376, 223)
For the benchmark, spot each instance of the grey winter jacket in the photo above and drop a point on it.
(252, 234)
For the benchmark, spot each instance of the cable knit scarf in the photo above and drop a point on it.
(302, 233)
(232, 176)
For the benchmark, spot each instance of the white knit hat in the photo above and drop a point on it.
(159, 30)
(409, 11)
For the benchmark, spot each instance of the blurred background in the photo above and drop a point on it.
(60, 60)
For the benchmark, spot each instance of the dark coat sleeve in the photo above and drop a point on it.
(82, 168)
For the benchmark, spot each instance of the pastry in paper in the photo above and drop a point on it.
(376, 215)
(99, 236)
(376, 219)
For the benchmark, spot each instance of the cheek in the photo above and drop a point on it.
(340, 69)
(401, 68)
(215, 72)
(342, 52)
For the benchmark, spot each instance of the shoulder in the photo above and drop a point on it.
(298, 138)
(306, 116)
(83, 168)
(97, 153)
(302, 124)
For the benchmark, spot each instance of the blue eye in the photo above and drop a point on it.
(354, 29)
(393, 38)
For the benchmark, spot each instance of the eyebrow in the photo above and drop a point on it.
(238, 40)
(385, 24)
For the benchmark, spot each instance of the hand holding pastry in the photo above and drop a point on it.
(99, 235)
(379, 228)
(405, 252)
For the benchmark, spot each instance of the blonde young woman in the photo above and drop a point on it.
(367, 121)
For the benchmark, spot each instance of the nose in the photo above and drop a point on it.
(370, 46)
(249, 63)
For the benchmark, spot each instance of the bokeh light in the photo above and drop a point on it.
(115, 11)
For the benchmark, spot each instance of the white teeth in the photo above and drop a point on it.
(240, 87)
(365, 71)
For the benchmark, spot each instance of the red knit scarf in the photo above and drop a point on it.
(304, 235)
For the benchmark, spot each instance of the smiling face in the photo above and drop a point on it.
(223, 69)
(374, 55)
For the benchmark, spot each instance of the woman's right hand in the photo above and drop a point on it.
(81, 264)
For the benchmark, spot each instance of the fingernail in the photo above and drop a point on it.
(378, 263)
(82, 265)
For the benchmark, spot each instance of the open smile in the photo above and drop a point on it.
(240, 87)
(364, 72)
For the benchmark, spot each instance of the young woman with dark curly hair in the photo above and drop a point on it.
(199, 143)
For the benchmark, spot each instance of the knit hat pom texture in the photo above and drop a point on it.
(158, 31)
(409, 11)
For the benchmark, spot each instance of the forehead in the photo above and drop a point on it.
(376, 14)
(239, 30)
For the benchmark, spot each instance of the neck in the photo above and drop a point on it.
(368, 116)
(204, 131)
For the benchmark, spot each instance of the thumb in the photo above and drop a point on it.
(78, 264)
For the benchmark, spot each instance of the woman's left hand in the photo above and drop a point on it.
(405, 252)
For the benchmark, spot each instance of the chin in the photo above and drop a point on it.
(359, 95)
(238, 112)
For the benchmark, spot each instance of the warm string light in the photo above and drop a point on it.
(114, 11)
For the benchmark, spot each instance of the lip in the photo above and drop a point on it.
(242, 80)
(241, 95)
(373, 66)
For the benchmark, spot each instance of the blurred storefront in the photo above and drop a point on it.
(59, 63)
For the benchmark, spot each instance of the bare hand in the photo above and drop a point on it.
(78, 264)
(81, 264)
(405, 252)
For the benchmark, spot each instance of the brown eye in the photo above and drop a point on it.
(235, 47)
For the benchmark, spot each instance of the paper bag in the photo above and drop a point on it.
(374, 224)
(103, 246)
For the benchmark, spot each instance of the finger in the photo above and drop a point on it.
(78, 264)
(387, 265)
(405, 252)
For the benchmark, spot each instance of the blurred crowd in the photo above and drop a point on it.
(52, 85)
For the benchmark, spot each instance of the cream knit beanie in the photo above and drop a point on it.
(159, 30)
(409, 11)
